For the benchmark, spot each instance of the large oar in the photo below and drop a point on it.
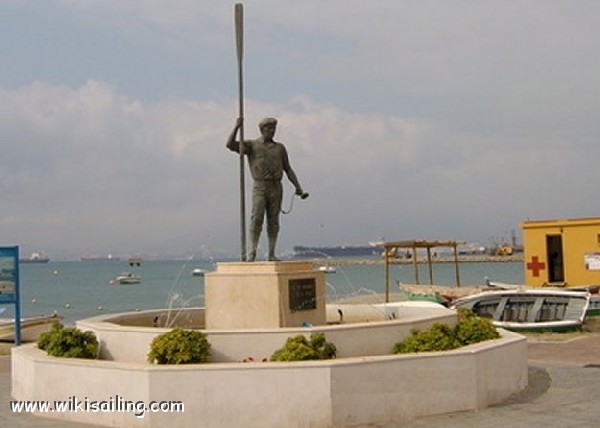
(239, 38)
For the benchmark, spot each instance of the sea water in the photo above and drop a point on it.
(81, 289)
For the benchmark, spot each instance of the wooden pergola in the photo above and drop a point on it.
(390, 248)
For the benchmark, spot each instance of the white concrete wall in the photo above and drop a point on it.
(336, 393)
(399, 388)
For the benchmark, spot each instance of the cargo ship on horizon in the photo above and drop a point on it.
(108, 257)
(300, 251)
(37, 257)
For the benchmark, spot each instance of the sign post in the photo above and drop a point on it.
(9, 284)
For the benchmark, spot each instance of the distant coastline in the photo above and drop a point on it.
(340, 251)
(44, 260)
(99, 258)
(515, 258)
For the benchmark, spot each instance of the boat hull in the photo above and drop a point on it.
(127, 278)
(594, 307)
(530, 310)
(129, 281)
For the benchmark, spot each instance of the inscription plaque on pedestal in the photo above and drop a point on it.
(303, 294)
(264, 295)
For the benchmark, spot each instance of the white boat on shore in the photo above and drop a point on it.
(529, 309)
(503, 285)
(31, 327)
(593, 309)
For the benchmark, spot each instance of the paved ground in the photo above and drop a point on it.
(563, 391)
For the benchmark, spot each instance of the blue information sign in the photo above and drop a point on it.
(9, 284)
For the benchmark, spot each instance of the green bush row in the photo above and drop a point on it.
(186, 346)
(441, 337)
(180, 346)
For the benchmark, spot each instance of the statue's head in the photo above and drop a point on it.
(267, 127)
(267, 121)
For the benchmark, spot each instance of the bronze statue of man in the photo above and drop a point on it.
(268, 161)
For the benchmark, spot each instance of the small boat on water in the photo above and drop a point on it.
(327, 269)
(529, 309)
(198, 272)
(31, 327)
(135, 261)
(129, 278)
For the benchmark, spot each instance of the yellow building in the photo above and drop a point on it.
(564, 253)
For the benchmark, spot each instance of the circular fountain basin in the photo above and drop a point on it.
(363, 330)
(365, 385)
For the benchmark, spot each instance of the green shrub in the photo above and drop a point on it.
(179, 347)
(299, 348)
(69, 342)
(473, 329)
(441, 337)
(438, 337)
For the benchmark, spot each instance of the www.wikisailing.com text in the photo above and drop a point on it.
(113, 404)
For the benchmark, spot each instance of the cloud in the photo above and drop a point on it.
(87, 164)
(101, 167)
(402, 119)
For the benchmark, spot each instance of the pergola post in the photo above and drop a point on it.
(428, 245)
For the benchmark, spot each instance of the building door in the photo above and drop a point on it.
(556, 272)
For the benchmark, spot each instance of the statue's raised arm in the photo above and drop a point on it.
(232, 144)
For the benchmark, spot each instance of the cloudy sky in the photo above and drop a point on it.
(403, 119)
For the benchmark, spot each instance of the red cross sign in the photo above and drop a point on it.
(535, 266)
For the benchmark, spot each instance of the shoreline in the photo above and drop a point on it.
(517, 258)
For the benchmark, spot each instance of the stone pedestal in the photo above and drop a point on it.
(240, 295)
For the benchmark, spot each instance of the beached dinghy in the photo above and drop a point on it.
(530, 309)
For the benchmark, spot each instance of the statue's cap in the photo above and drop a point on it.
(267, 121)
